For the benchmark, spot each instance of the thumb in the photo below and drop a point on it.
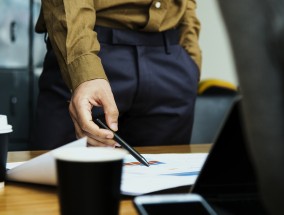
(111, 112)
(109, 106)
(111, 117)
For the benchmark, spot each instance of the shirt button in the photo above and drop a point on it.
(158, 4)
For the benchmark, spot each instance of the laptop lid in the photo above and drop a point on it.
(228, 169)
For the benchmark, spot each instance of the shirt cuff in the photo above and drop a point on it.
(85, 68)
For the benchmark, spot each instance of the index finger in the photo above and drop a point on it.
(86, 123)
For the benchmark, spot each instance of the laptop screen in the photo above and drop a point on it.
(228, 168)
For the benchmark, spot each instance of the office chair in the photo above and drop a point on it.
(214, 99)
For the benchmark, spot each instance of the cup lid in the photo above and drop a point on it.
(4, 126)
(89, 154)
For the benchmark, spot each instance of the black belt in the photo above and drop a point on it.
(138, 38)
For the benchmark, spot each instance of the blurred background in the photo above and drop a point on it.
(21, 57)
(22, 52)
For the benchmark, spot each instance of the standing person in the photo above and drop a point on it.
(135, 64)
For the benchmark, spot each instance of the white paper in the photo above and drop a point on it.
(41, 169)
(165, 171)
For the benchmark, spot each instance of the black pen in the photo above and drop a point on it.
(131, 150)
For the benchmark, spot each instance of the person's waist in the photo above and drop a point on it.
(132, 37)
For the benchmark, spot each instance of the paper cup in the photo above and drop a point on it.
(89, 180)
(5, 129)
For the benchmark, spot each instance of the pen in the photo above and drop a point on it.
(130, 149)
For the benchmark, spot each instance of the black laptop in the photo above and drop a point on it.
(227, 179)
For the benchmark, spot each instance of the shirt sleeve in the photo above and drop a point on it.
(70, 26)
(190, 28)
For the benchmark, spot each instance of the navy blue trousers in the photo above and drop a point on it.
(154, 82)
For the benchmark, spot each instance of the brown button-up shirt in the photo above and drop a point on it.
(70, 26)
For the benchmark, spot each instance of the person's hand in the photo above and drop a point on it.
(94, 93)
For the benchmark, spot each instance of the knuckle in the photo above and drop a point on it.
(112, 111)
(84, 127)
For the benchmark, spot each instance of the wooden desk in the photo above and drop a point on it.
(29, 199)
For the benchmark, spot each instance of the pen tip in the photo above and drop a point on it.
(147, 164)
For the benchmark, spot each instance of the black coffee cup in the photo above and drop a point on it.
(89, 180)
(5, 129)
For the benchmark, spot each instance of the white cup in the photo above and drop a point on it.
(5, 129)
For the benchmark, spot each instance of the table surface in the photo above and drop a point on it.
(21, 198)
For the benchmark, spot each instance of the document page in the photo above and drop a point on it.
(165, 171)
